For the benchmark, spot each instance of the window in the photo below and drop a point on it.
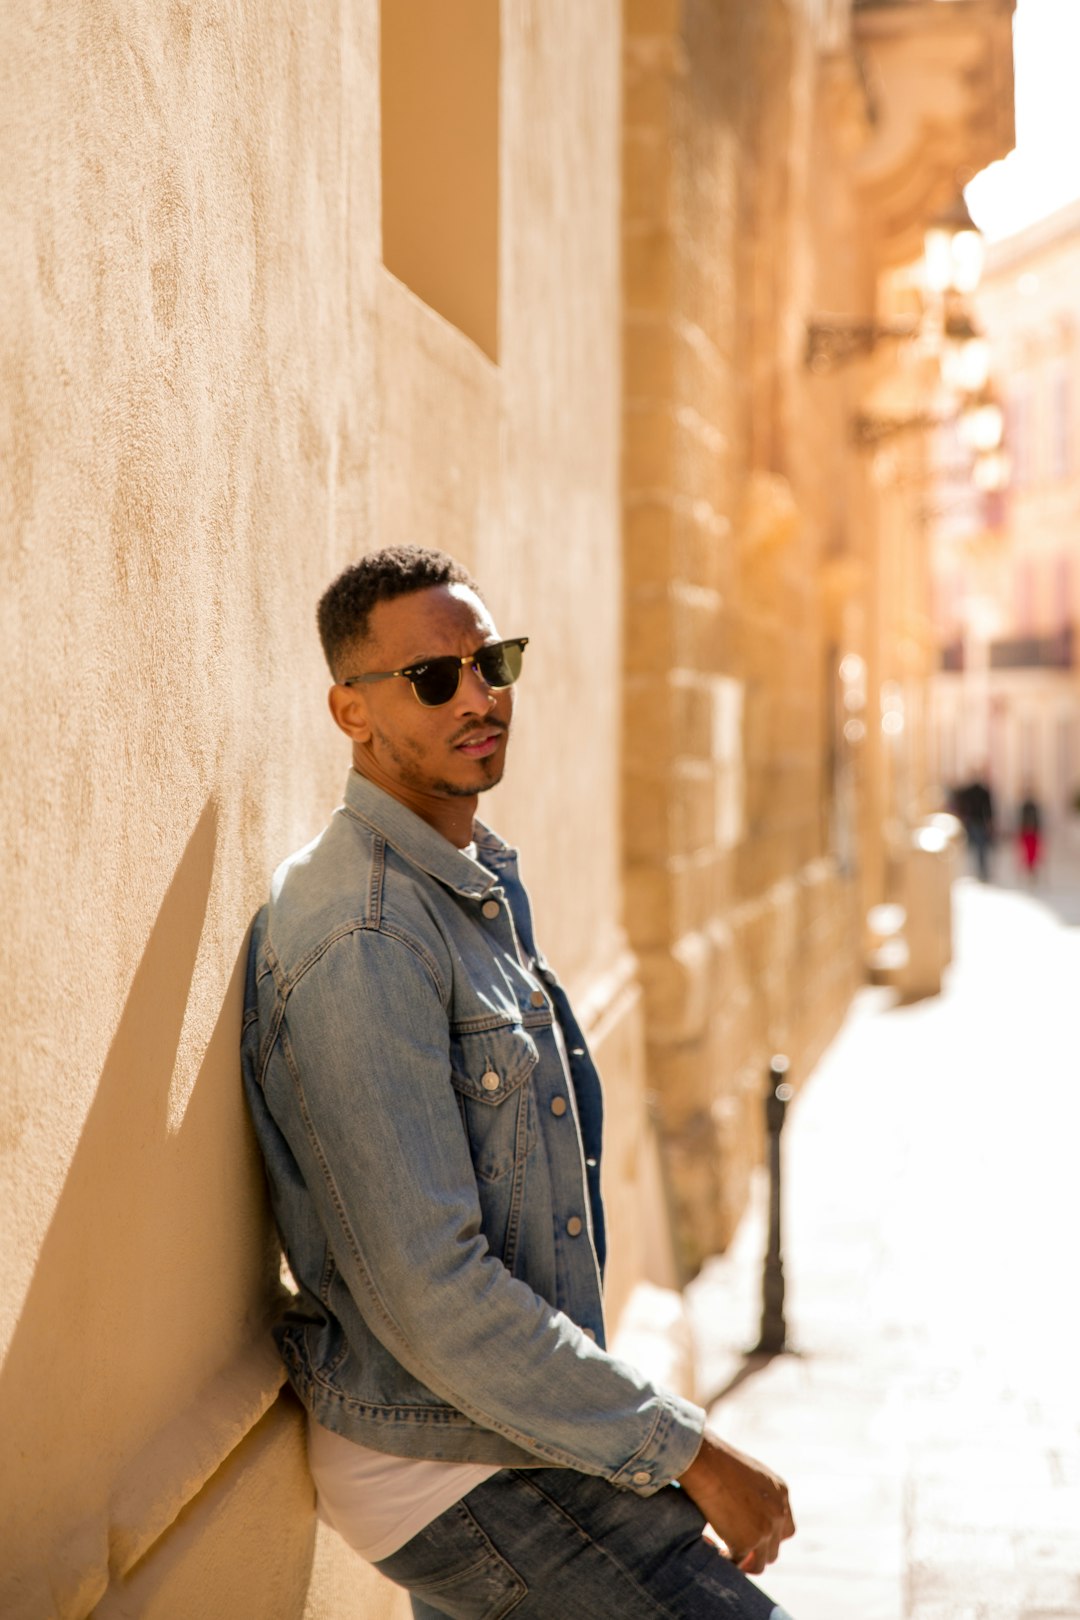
(1063, 609)
(1024, 595)
(439, 85)
(1060, 420)
(1019, 431)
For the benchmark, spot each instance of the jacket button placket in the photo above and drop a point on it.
(577, 1273)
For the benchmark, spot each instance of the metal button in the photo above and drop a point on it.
(490, 1081)
(538, 998)
(490, 908)
(558, 1106)
(642, 1478)
(574, 1225)
(577, 1051)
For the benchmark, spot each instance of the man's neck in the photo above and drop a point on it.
(450, 816)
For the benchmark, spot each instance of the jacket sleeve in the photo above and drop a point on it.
(361, 1089)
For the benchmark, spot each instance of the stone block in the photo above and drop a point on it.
(693, 807)
(697, 888)
(646, 812)
(677, 984)
(681, 1076)
(648, 269)
(649, 18)
(710, 375)
(647, 174)
(696, 613)
(696, 1171)
(649, 904)
(702, 458)
(650, 737)
(650, 358)
(648, 446)
(730, 806)
(703, 553)
(709, 294)
(727, 704)
(649, 644)
(648, 85)
(650, 537)
(692, 699)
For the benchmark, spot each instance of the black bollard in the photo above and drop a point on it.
(773, 1328)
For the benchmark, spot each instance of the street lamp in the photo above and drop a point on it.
(990, 472)
(952, 265)
(982, 424)
(953, 251)
(965, 360)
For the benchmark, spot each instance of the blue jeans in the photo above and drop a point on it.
(553, 1544)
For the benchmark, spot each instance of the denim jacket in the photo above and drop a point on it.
(435, 1186)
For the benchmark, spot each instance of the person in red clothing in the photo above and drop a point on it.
(1029, 835)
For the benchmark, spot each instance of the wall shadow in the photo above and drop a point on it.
(129, 1283)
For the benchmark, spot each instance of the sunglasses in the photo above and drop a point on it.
(435, 680)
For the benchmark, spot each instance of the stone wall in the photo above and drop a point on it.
(743, 925)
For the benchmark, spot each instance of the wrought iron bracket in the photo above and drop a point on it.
(868, 432)
(832, 342)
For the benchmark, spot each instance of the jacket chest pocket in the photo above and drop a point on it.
(491, 1073)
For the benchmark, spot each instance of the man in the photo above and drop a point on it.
(430, 1120)
(977, 814)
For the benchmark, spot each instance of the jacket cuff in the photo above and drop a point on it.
(668, 1452)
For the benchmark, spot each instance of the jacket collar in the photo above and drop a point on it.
(411, 836)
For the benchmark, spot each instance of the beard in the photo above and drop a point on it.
(411, 774)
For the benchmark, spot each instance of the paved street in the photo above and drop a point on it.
(929, 1428)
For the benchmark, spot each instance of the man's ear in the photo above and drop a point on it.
(350, 711)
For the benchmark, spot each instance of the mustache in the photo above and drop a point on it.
(475, 726)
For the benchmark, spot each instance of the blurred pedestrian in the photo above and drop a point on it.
(1029, 835)
(976, 808)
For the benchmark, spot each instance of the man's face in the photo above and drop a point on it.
(455, 750)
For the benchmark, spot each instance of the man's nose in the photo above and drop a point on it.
(474, 694)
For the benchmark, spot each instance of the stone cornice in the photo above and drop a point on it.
(939, 107)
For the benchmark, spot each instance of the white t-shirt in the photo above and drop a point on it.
(377, 1502)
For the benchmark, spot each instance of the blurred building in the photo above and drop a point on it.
(1007, 558)
(591, 296)
(782, 164)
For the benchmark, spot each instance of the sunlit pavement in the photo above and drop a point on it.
(929, 1427)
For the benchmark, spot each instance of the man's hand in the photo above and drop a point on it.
(745, 1502)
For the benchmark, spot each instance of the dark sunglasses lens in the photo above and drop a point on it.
(500, 665)
(436, 682)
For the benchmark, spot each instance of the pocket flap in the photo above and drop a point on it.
(488, 1065)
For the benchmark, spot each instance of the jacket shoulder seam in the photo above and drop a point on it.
(366, 925)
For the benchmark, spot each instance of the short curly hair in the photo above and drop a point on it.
(345, 607)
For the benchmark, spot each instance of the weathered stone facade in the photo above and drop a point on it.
(757, 544)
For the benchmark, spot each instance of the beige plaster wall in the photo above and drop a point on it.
(214, 396)
(190, 252)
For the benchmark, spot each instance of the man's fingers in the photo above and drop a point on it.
(757, 1558)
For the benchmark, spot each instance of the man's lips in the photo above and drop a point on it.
(479, 744)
